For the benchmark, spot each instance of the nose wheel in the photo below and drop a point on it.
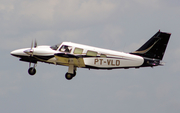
(32, 70)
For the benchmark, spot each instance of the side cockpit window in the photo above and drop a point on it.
(65, 48)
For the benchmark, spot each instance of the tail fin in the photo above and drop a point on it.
(155, 47)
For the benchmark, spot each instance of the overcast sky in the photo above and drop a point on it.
(122, 25)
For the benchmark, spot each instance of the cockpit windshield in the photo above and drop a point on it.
(55, 47)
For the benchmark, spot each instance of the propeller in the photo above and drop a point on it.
(35, 43)
(30, 51)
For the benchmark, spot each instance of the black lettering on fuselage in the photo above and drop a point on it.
(101, 61)
(108, 62)
(117, 62)
(112, 63)
(95, 61)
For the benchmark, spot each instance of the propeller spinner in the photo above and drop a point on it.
(30, 51)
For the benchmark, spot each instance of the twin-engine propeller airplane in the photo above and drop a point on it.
(76, 55)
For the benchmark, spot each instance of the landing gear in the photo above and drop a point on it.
(32, 70)
(71, 72)
(69, 76)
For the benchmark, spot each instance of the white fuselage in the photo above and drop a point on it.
(89, 57)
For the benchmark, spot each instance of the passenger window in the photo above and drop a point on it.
(91, 53)
(65, 48)
(103, 55)
(78, 51)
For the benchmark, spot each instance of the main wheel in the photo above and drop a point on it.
(32, 71)
(69, 76)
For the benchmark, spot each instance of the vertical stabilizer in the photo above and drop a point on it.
(155, 47)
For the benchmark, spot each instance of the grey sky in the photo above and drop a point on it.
(113, 24)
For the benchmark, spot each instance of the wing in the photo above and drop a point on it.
(67, 59)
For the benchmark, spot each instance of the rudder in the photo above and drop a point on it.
(155, 47)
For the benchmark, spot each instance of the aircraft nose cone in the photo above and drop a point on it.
(18, 53)
(15, 53)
